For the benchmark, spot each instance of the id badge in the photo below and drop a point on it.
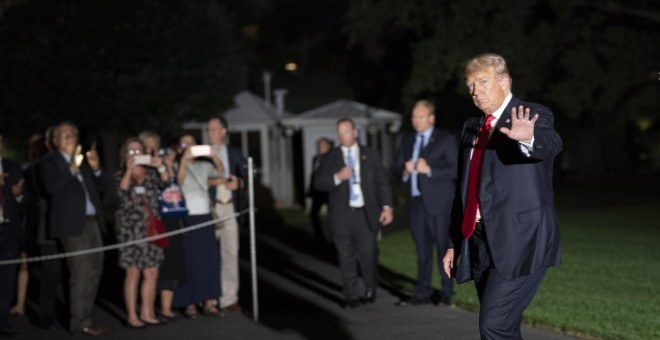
(139, 190)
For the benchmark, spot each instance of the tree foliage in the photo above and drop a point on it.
(590, 61)
(116, 65)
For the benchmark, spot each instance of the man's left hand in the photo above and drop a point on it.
(233, 184)
(422, 166)
(386, 216)
(522, 127)
(17, 189)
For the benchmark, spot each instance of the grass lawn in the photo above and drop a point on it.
(608, 285)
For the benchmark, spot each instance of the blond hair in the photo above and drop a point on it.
(487, 60)
(427, 104)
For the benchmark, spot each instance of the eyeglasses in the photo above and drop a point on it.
(135, 152)
(67, 135)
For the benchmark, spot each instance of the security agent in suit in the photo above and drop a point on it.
(11, 186)
(426, 163)
(319, 198)
(71, 187)
(359, 202)
(516, 234)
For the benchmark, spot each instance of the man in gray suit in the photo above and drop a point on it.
(71, 184)
(358, 205)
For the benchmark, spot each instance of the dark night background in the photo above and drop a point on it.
(116, 67)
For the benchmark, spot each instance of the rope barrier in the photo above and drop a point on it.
(121, 245)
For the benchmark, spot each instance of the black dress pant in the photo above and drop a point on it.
(356, 245)
(318, 200)
(84, 274)
(51, 281)
(429, 231)
(503, 300)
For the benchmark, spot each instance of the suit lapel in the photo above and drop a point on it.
(491, 150)
(430, 144)
(410, 142)
(60, 161)
(363, 160)
(505, 118)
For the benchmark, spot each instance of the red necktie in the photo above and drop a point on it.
(474, 177)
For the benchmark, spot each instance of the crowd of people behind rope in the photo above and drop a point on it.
(52, 204)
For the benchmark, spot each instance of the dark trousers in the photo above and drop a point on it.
(9, 250)
(503, 300)
(356, 245)
(84, 274)
(51, 280)
(318, 200)
(429, 231)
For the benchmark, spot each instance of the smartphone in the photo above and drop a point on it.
(142, 159)
(78, 156)
(200, 150)
(164, 151)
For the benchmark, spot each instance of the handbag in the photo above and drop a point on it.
(155, 226)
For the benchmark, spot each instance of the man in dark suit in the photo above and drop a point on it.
(71, 184)
(359, 201)
(509, 230)
(319, 198)
(226, 193)
(11, 193)
(426, 163)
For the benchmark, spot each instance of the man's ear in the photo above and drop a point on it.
(505, 83)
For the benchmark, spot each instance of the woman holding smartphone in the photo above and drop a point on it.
(137, 191)
(202, 258)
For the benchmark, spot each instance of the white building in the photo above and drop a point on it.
(278, 141)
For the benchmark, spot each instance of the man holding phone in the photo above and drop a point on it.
(71, 184)
(226, 195)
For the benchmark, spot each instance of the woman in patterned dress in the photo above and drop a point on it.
(137, 191)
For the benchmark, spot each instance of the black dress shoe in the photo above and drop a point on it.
(93, 330)
(369, 297)
(45, 324)
(351, 304)
(415, 301)
(9, 332)
(445, 300)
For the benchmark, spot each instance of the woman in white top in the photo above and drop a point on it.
(202, 258)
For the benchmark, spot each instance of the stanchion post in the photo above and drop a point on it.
(253, 247)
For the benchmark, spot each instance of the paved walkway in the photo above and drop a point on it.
(299, 297)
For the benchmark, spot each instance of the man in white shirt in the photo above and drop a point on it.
(509, 233)
(359, 203)
(226, 197)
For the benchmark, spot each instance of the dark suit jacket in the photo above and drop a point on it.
(316, 195)
(374, 180)
(515, 193)
(441, 153)
(237, 167)
(66, 197)
(13, 173)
